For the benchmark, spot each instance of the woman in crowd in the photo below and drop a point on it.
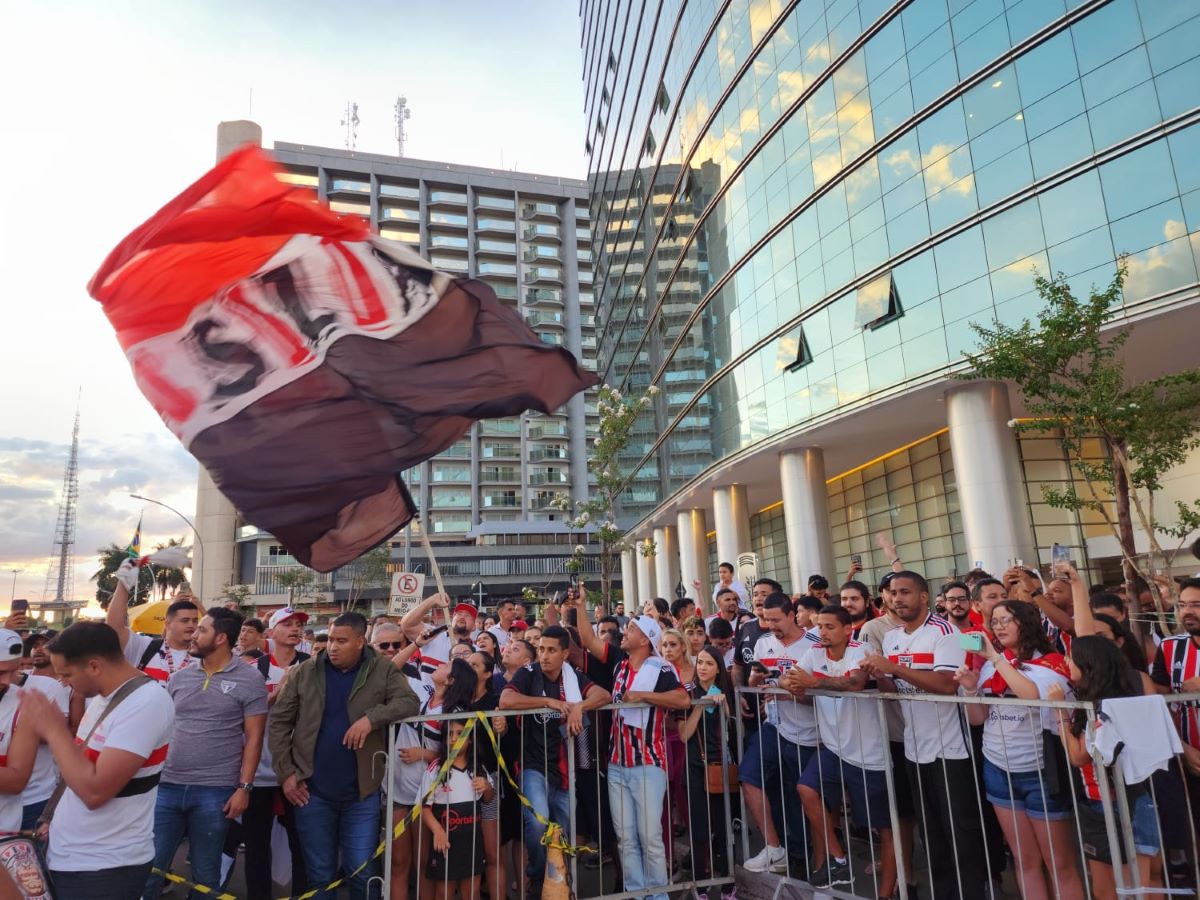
(485, 699)
(1099, 672)
(1035, 821)
(707, 743)
(485, 642)
(673, 647)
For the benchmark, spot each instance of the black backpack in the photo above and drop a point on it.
(264, 663)
(152, 648)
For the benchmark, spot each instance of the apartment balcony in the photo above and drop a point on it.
(541, 232)
(540, 478)
(448, 242)
(540, 318)
(439, 197)
(495, 226)
(540, 209)
(544, 295)
(488, 203)
(349, 186)
(499, 475)
(504, 451)
(539, 454)
(544, 501)
(451, 476)
(501, 501)
(455, 502)
(505, 427)
(456, 451)
(495, 248)
(588, 341)
(534, 274)
(267, 580)
(550, 337)
(548, 430)
(541, 254)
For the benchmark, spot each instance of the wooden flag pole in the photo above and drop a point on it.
(437, 572)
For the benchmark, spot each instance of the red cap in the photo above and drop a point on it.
(518, 625)
(467, 608)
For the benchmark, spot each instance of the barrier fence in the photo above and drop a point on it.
(968, 818)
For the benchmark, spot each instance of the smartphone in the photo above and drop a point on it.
(979, 564)
(574, 579)
(20, 605)
(1020, 563)
(758, 667)
(433, 632)
(972, 643)
(1060, 558)
(856, 558)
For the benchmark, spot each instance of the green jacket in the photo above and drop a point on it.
(380, 692)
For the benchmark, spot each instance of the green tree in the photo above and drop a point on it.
(369, 572)
(168, 579)
(300, 583)
(238, 593)
(1070, 370)
(617, 417)
(110, 559)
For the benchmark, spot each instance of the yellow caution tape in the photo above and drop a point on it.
(549, 837)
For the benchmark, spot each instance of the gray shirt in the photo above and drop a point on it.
(872, 633)
(210, 713)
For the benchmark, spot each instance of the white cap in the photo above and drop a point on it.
(648, 626)
(11, 645)
(282, 615)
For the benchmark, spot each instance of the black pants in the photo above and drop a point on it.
(947, 803)
(119, 883)
(993, 835)
(255, 832)
(708, 826)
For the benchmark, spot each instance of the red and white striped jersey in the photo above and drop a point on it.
(86, 840)
(1177, 661)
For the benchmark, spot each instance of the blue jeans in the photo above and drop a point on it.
(119, 883)
(636, 796)
(197, 812)
(551, 802)
(327, 826)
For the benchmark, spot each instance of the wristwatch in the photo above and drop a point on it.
(245, 786)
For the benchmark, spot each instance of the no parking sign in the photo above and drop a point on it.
(407, 590)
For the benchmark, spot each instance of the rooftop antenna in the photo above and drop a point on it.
(350, 122)
(402, 115)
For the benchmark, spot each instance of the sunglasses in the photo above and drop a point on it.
(390, 645)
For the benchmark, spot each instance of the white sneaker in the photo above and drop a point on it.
(768, 858)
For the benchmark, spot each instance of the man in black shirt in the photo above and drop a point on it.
(561, 696)
(747, 636)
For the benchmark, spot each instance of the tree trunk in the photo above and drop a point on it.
(1128, 547)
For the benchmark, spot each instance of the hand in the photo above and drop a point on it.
(356, 734)
(989, 651)
(855, 569)
(967, 678)
(887, 545)
(441, 600)
(40, 712)
(878, 665)
(441, 842)
(1056, 692)
(237, 803)
(575, 718)
(696, 584)
(127, 574)
(42, 832)
(744, 706)
(411, 754)
(1191, 686)
(633, 697)
(1069, 572)
(480, 784)
(17, 621)
(796, 680)
(756, 678)
(296, 791)
(500, 725)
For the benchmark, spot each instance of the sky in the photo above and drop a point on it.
(110, 109)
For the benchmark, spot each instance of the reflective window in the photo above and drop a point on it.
(1137, 180)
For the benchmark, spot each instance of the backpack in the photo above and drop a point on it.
(264, 663)
(152, 648)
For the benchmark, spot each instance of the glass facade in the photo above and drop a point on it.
(801, 207)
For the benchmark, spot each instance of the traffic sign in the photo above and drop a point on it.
(407, 590)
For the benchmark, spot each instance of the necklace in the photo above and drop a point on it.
(168, 656)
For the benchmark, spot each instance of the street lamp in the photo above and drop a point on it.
(13, 595)
(177, 512)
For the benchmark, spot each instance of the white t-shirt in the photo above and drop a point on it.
(500, 635)
(10, 804)
(165, 663)
(121, 832)
(1012, 735)
(849, 725)
(737, 587)
(45, 773)
(796, 721)
(931, 730)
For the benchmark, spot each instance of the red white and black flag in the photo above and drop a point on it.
(306, 362)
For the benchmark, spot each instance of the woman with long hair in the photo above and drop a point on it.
(485, 642)
(1035, 822)
(707, 743)
(485, 699)
(673, 647)
(1099, 672)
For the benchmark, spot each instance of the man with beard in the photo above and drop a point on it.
(506, 613)
(728, 603)
(747, 637)
(957, 597)
(45, 776)
(855, 598)
(220, 717)
(436, 652)
(160, 658)
(1177, 671)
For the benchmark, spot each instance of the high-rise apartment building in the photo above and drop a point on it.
(487, 503)
(799, 210)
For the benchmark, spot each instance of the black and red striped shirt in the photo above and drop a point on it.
(633, 746)
(542, 733)
(1177, 661)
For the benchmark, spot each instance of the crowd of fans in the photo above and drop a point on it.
(844, 717)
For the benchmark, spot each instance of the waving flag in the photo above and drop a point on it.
(134, 550)
(306, 362)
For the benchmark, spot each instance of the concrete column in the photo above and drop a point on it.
(987, 471)
(629, 579)
(806, 516)
(666, 563)
(645, 579)
(213, 563)
(732, 520)
(693, 555)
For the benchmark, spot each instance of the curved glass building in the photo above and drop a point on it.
(798, 210)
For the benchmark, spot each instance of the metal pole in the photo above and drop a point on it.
(13, 595)
(890, 781)
(199, 540)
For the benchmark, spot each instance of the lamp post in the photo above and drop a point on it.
(177, 512)
(13, 595)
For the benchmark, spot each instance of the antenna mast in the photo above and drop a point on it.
(401, 115)
(59, 592)
(350, 122)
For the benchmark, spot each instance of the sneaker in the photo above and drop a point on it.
(831, 873)
(768, 859)
(729, 895)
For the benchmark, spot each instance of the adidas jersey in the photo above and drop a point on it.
(797, 722)
(849, 724)
(931, 730)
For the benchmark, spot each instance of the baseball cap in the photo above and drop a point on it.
(518, 625)
(282, 615)
(651, 629)
(886, 580)
(467, 608)
(11, 645)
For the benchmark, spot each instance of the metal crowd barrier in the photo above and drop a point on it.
(975, 843)
(586, 773)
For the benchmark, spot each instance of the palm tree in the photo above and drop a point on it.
(105, 577)
(168, 579)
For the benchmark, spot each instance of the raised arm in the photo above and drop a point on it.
(1085, 621)
(412, 624)
(117, 615)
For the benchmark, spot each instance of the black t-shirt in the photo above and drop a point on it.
(542, 733)
(601, 670)
(747, 637)
(704, 746)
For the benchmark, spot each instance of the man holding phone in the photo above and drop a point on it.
(435, 652)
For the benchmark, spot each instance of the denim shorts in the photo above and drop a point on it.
(832, 779)
(1145, 829)
(1024, 791)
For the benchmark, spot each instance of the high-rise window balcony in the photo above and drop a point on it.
(449, 220)
(587, 298)
(400, 191)
(495, 248)
(442, 197)
(548, 430)
(540, 254)
(300, 179)
(448, 242)
(500, 426)
(492, 202)
(504, 270)
(549, 477)
(502, 500)
(341, 185)
(588, 341)
(539, 318)
(585, 277)
(448, 263)
(583, 235)
(534, 274)
(461, 450)
(499, 474)
(544, 295)
(445, 474)
(501, 451)
(541, 231)
(449, 524)
(499, 226)
(390, 213)
(503, 291)
(449, 500)
(544, 500)
(538, 209)
(587, 321)
(538, 454)
(548, 337)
